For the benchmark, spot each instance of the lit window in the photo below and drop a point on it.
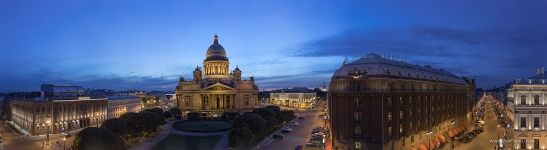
(357, 130)
(357, 145)
(357, 116)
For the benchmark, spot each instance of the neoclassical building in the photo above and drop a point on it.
(40, 117)
(527, 99)
(215, 89)
(380, 103)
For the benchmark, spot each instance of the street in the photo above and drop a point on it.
(300, 134)
(485, 140)
(12, 140)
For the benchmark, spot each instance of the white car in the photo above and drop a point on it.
(294, 123)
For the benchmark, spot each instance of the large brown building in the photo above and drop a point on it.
(38, 117)
(216, 89)
(380, 103)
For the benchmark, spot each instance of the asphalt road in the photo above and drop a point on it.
(300, 134)
(485, 140)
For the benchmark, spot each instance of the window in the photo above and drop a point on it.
(357, 116)
(357, 130)
(389, 103)
(389, 131)
(523, 100)
(401, 129)
(523, 122)
(187, 101)
(536, 100)
(523, 143)
(357, 145)
(536, 143)
(389, 116)
(401, 115)
(536, 122)
(357, 102)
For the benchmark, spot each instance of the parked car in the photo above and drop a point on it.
(299, 147)
(278, 136)
(300, 118)
(286, 130)
(294, 123)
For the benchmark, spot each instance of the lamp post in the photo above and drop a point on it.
(429, 142)
(453, 123)
(64, 143)
(47, 135)
(498, 139)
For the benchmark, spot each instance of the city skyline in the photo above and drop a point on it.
(139, 45)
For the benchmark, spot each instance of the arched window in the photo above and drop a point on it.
(536, 100)
(523, 100)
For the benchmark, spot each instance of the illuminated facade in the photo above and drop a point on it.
(528, 99)
(379, 103)
(38, 117)
(293, 100)
(215, 89)
(118, 105)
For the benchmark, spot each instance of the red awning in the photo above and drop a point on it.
(422, 147)
(441, 138)
(450, 133)
(437, 142)
(432, 145)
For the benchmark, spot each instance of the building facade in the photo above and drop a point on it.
(528, 98)
(215, 89)
(38, 117)
(293, 100)
(118, 105)
(379, 103)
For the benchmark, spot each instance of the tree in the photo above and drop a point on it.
(268, 115)
(133, 127)
(240, 137)
(167, 114)
(230, 115)
(93, 138)
(193, 116)
(149, 121)
(116, 125)
(254, 122)
(159, 112)
(175, 111)
(286, 115)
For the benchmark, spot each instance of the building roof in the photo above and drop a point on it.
(216, 51)
(376, 65)
(538, 78)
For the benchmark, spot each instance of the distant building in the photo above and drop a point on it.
(61, 91)
(120, 104)
(379, 103)
(39, 117)
(215, 89)
(527, 100)
(293, 100)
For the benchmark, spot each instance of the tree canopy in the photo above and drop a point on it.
(93, 138)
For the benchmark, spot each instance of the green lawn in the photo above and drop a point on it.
(203, 125)
(182, 142)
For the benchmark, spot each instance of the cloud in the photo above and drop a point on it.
(502, 53)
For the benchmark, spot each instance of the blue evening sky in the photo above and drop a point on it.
(134, 44)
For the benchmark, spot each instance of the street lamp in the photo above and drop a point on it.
(64, 143)
(48, 122)
(453, 123)
(429, 142)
